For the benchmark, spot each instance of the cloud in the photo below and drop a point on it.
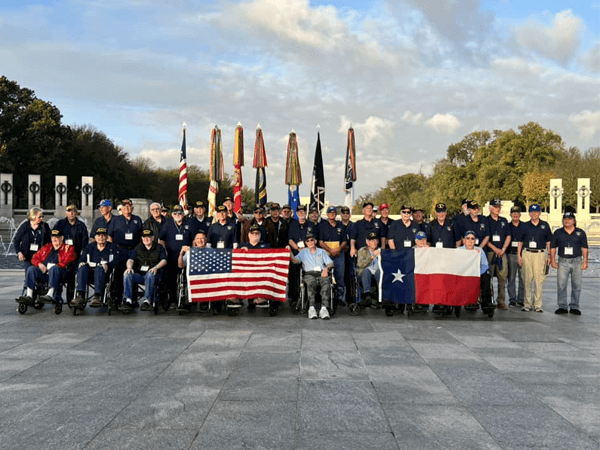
(368, 133)
(591, 59)
(414, 119)
(559, 41)
(444, 123)
(588, 123)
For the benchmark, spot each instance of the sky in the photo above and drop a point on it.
(411, 76)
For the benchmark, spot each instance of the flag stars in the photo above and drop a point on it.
(398, 276)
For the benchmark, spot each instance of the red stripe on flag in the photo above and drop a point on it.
(445, 289)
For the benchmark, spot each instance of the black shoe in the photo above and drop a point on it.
(251, 306)
(561, 311)
(366, 300)
(25, 300)
(46, 299)
(521, 304)
(575, 311)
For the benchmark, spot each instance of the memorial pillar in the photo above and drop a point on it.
(556, 193)
(87, 197)
(583, 200)
(60, 194)
(6, 196)
(34, 189)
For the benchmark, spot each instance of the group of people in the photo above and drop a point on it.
(152, 252)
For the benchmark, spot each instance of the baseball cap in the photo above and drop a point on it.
(420, 235)
(440, 207)
(535, 208)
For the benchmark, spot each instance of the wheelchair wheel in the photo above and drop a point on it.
(272, 310)
(37, 305)
(353, 309)
(233, 312)
(294, 308)
(58, 308)
(74, 309)
(22, 308)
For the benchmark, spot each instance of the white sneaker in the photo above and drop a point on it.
(324, 314)
(312, 313)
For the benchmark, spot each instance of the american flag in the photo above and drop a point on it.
(183, 174)
(222, 274)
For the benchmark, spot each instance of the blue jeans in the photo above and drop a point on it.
(131, 280)
(566, 267)
(366, 278)
(83, 275)
(514, 272)
(339, 266)
(54, 278)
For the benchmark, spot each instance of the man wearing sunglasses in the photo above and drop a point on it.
(402, 232)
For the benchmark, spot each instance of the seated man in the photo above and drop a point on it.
(368, 265)
(421, 240)
(49, 265)
(469, 240)
(98, 257)
(254, 238)
(144, 262)
(316, 265)
(184, 259)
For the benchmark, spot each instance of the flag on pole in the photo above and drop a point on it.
(182, 196)
(217, 170)
(293, 175)
(238, 162)
(350, 174)
(221, 274)
(317, 195)
(260, 162)
(440, 276)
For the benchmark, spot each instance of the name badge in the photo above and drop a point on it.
(179, 237)
(496, 238)
(110, 258)
(533, 244)
(69, 241)
(514, 244)
(317, 269)
(477, 241)
(129, 236)
(92, 264)
(569, 251)
(50, 266)
(439, 245)
(102, 262)
(301, 244)
(220, 244)
(144, 268)
(34, 247)
(407, 244)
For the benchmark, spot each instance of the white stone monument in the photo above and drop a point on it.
(34, 189)
(556, 193)
(87, 197)
(583, 200)
(60, 194)
(6, 195)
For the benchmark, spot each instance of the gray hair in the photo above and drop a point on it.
(32, 213)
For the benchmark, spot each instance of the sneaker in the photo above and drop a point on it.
(521, 304)
(561, 311)
(312, 313)
(502, 305)
(146, 306)
(575, 311)
(96, 301)
(324, 314)
(525, 309)
(539, 310)
(78, 300)
(127, 305)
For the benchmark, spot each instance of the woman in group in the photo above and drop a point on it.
(32, 235)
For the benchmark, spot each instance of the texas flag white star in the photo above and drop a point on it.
(398, 276)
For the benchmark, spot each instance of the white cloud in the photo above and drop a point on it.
(414, 119)
(588, 123)
(369, 132)
(591, 59)
(558, 41)
(444, 123)
(517, 65)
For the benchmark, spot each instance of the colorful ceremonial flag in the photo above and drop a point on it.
(238, 162)
(260, 162)
(447, 276)
(293, 175)
(317, 195)
(182, 197)
(221, 274)
(440, 276)
(350, 174)
(217, 169)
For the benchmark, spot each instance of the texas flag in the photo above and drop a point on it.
(441, 276)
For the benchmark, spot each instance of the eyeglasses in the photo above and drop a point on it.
(177, 213)
(406, 212)
(469, 239)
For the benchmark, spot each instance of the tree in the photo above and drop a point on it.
(536, 186)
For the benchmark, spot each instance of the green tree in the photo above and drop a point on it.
(536, 185)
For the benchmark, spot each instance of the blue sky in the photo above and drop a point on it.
(411, 76)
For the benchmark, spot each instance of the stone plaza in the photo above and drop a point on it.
(516, 381)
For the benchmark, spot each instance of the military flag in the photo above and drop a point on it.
(182, 196)
(238, 162)
(293, 175)
(317, 195)
(260, 162)
(350, 173)
(217, 170)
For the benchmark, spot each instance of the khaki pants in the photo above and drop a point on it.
(500, 274)
(534, 270)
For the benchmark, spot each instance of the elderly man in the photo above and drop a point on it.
(267, 229)
(106, 216)
(125, 230)
(74, 230)
(441, 231)
(287, 214)
(143, 266)
(222, 234)
(368, 263)
(419, 219)
(156, 222)
(280, 226)
(571, 245)
(98, 258)
(477, 223)
(200, 221)
(316, 265)
(402, 232)
(497, 245)
(334, 242)
(534, 257)
(183, 260)
(362, 228)
(49, 265)
(385, 220)
(516, 295)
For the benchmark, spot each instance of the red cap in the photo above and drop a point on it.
(384, 205)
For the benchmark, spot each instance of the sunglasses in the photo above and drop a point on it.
(406, 212)
(469, 239)
(177, 213)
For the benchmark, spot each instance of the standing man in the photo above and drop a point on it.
(534, 257)
(362, 228)
(222, 234)
(74, 230)
(419, 219)
(515, 296)
(200, 221)
(385, 220)
(477, 223)
(496, 249)
(280, 227)
(402, 233)
(156, 221)
(441, 231)
(105, 207)
(267, 231)
(287, 214)
(572, 246)
(332, 240)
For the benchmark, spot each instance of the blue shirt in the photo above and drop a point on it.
(443, 235)
(329, 233)
(362, 228)
(480, 228)
(499, 231)
(75, 235)
(298, 231)
(176, 236)
(125, 233)
(516, 233)
(569, 245)
(91, 254)
(28, 241)
(314, 262)
(535, 237)
(402, 235)
(197, 225)
(222, 236)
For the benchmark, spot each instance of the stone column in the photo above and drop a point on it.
(583, 200)
(34, 189)
(87, 197)
(6, 195)
(60, 194)
(556, 193)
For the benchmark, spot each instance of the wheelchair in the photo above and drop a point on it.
(41, 289)
(160, 298)
(107, 294)
(356, 293)
(301, 306)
